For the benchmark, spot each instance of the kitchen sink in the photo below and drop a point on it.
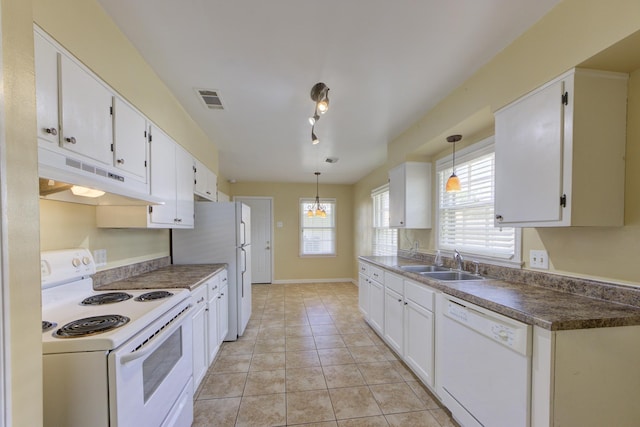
(422, 268)
(451, 275)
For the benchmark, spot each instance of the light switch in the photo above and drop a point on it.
(539, 259)
(279, 224)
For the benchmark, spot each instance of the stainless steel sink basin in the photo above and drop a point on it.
(451, 275)
(422, 268)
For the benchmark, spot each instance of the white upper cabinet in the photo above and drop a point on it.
(184, 188)
(130, 139)
(205, 182)
(410, 195)
(46, 65)
(86, 105)
(560, 153)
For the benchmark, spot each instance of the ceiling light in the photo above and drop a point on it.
(86, 192)
(314, 138)
(313, 119)
(316, 209)
(320, 95)
(453, 183)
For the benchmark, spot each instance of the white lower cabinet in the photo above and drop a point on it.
(199, 302)
(223, 308)
(376, 305)
(213, 341)
(419, 331)
(394, 319)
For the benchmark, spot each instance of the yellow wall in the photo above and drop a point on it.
(288, 265)
(570, 34)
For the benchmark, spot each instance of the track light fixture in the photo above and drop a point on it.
(320, 95)
(453, 183)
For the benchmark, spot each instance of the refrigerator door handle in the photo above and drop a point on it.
(244, 268)
(244, 233)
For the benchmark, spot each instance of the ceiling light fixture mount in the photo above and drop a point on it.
(453, 183)
(320, 95)
(316, 209)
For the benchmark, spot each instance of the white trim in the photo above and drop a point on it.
(380, 189)
(273, 231)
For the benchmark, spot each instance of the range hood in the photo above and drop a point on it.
(60, 172)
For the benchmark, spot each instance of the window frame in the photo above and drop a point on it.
(302, 205)
(464, 155)
(379, 226)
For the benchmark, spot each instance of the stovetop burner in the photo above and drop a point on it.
(91, 326)
(46, 325)
(152, 296)
(106, 298)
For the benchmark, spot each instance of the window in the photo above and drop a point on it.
(466, 218)
(385, 239)
(317, 234)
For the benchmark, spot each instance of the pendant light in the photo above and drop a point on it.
(453, 183)
(316, 209)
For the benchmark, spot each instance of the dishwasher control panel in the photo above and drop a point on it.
(496, 327)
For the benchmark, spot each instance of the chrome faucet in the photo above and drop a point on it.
(458, 260)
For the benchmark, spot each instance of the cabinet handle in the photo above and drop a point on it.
(209, 192)
(200, 300)
(52, 131)
(71, 139)
(399, 300)
(121, 161)
(405, 303)
(499, 218)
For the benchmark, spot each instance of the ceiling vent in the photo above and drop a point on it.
(210, 98)
(331, 160)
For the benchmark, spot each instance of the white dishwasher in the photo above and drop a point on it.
(485, 366)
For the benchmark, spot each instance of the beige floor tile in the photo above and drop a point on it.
(267, 361)
(216, 412)
(324, 330)
(271, 332)
(265, 382)
(329, 341)
(379, 373)
(302, 359)
(335, 356)
(272, 323)
(324, 424)
(353, 402)
(357, 340)
(265, 410)
(222, 385)
(232, 363)
(421, 418)
(379, 421)
(394, 398)
(237, 347)
(403, 370)
(424, 395)
(300, 343)
(298, 331)
(343, 376)
(367, 354)
(309, 407)
(303, 379)
(443, 418)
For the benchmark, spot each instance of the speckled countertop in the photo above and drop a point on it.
(172, 276)
(535, 305)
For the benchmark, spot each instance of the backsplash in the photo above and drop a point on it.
(621, 294)
(126, 271)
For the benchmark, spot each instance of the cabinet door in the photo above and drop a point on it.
(376, 306)
(46, 65)
(393, 320)
(163, 176)
(363, 294)
(199, 344)
(528, 147)
(87, 127)
(419, 341)
(223, 310)
(130, 139)
(397, 195)
(213, 343)
(184, 187)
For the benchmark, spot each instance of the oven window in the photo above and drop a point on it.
(157, 366)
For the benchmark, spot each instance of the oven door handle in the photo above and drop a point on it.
(156, 340)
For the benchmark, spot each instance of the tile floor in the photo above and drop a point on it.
(308, 358)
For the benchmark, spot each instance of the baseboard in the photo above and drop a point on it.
(290, 281)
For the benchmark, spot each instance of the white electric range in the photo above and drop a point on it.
(112, 358)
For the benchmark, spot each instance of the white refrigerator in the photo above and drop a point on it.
(222, 234)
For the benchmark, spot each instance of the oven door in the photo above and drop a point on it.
(149, 374)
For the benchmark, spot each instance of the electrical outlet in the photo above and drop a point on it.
(100, 257)
(539, 259)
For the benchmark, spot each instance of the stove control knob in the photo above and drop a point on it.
(86, 260)
(76, 262)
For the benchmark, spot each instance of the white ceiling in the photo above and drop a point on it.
(387, 62)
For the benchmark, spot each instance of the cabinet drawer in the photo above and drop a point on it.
(213, 285)
(393, 281)
(376, 273)
(364, 269)
(420, 294)
(199, 297)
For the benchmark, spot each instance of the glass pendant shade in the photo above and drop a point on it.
(453, 184)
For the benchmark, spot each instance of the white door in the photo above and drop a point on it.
(261, 237)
